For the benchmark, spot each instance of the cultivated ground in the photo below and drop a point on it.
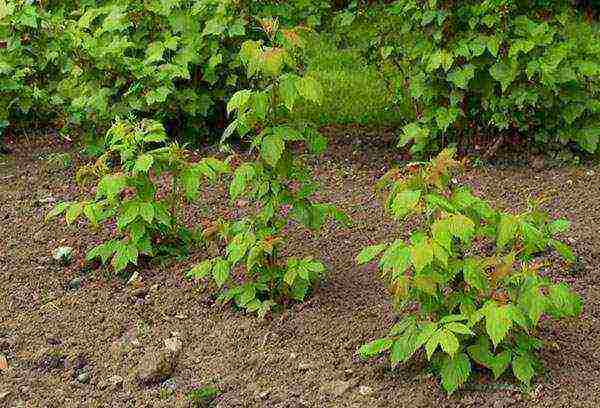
(67, 346)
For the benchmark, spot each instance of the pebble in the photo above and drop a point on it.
(338, 388)
(75, 284)
(83, 378)
(63, 254)
(156, 366)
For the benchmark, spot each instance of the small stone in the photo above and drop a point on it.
(156, 367)
(75, 284)
(365, 390)
(338, 388)
(170, 384)
(4, 394)
(181, 316)
(590, 173)
(173, 344)
(63, 254)
(83, 378)
(263, 395)
(140, 292)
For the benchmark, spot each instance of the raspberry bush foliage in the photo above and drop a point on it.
(129, 194)
(469, 280)
(508, 68)
(252, 270)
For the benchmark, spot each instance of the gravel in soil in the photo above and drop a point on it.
(72, 338)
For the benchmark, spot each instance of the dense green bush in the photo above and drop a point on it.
(498, 68)
(29, 52)
(470, 278)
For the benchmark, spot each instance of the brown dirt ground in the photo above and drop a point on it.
(48, 332)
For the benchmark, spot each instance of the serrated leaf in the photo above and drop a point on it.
(421, 255)
(565, 302)
(522, 367)
(458, 328)
(448, 341)
(474, 274)
(272, 148)
(368, 253)
(497, 322)
(310, 89)
(405, 202)
(243, 174)
(455, 371)
(534, 304)
(564, 250)
(220, 272)
(58, 210)
(375, 348)
(143, 163)
(507, 229)
(238, 101)
(201, 270)
(73, 212)
(288, 91)
(147, 212)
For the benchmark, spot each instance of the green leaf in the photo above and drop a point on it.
(462, 76)
(272, 148)
(241, 177)
(375, 348)
(92, 213)
(505, 72)
(497, 322)
(421, 255)
(405, 202)
(455, 371)
(111, 186)
(73, 212)
(564, 301)
(534, 303)
(238, 101)
(220, 272)
(367, 254)
(58, 210)
(474, 274)
(564, 250)
(482, 355)
(288, 91)
(131, 210)
(507, 229)
(462, 227)
(458, 328)
(201, 270)
(310, 89)
(147, 212)
(522, 367)
(143, 163)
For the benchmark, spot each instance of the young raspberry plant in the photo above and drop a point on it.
(252, 272)
(469, 278)
(128, 195)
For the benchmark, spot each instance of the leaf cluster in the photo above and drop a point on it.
(470, 277)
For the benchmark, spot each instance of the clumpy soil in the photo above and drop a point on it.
(65, 344)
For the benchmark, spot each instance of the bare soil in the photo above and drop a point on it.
(302, 357)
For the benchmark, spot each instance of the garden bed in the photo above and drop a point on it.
(54, 327)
